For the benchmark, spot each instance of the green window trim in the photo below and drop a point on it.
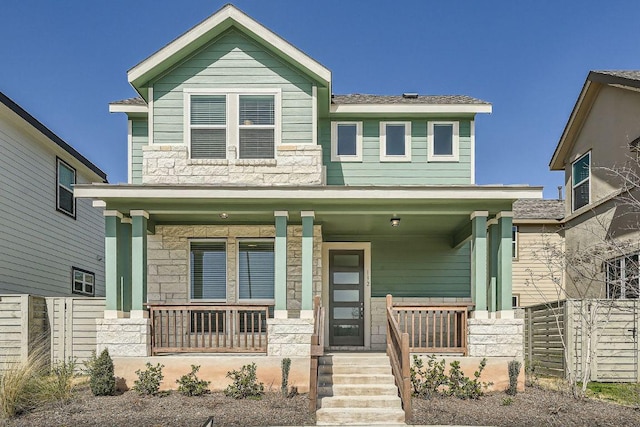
(65, 180)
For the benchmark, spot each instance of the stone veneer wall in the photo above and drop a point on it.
(496, 337)
(294, 165)
(379, 315)
(124, 337)
(168, 260)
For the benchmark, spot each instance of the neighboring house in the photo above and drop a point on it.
(50, 243)
(601, 138)
(538, 237)
(253, 189)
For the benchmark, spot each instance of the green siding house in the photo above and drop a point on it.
(254, 190)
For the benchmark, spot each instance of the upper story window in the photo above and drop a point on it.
(83, 282)
(256, 270)
(443, 141)
(395, 141)
(580, 181)
(219, 119)
(622, 277)
(66, 179)
(208, 261)
(346, 141)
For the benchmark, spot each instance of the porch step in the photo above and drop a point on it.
(357, 388)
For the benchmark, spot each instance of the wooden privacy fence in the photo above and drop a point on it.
(208, 328)
(607, 328)
(23, 328)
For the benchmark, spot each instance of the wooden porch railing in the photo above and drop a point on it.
(440, 328)
(398, 352)
(317, 350)
(208, 328)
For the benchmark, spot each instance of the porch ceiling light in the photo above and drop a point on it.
(224, 215)
(395, 221)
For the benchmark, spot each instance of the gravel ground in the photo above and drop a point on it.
(534, 407)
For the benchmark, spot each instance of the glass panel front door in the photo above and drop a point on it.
(346, 297)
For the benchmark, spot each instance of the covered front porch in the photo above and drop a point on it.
(203, 269)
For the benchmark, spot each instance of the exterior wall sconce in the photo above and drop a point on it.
(224, 215)
(395, 221)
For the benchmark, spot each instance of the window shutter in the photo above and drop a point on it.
(208, 270)
(256, 270)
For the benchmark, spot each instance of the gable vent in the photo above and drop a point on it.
(410, 95)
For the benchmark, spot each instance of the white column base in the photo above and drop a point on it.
(114, 314)
(139, 314)
(505, 314)
(479, 314)
(306, 314)
(280, 314)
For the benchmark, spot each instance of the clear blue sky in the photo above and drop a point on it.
(64, 61)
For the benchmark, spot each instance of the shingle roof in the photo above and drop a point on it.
(538, 209)
(130, 101)
(358, 98)
(625, 74)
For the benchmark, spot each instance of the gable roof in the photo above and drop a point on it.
(626, 79)
(538, 209)
(22, 113)
(195, 38)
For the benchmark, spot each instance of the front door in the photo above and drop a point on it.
(346, 297)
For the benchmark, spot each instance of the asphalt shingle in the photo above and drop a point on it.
(538, 209)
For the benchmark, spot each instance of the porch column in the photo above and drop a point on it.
(280, 261)
(124, 256)
(479, 263)
(494, 244)
(139, 263)
(306, 309)
(505, 258)
(113, 290)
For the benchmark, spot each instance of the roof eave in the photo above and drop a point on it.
(411, 108)
(128, 108)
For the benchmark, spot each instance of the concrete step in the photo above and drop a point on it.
(370, 359)
(339, 379)
(361, 402)
(364, 416)
(358, 390)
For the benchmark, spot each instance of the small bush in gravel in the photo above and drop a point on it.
(430, 380)
(514, 370)
(148, 382)
(427, 380)
(60, 385)
(191, 385)
(245, 383)
(286, 366)
(101, 379)
(463, 387)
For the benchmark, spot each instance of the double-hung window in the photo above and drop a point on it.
(580, 182)
(217, 120)
(66, 179)
(622, 277)
(443, 140)
(208, 260)
(346, 141)
(256, 270)
(395, 141)
(83, 282)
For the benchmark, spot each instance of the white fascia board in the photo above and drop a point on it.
(125, 108)
(320, 193)
(208, 28)
(411, 108)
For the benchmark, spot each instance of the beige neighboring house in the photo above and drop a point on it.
(537, 232)
(602, 136)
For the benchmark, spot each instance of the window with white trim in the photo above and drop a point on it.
(346, 141)
(622, 277)
(514, 242)
(66, 179)
(83, 282)
(515, 300)
(580, 182)
(248, 121)
(395, 141)
(443, 141)
(208, 262)
(256, 270)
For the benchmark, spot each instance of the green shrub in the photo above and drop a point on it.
(60, 385)
(148, 382)
(463, 387)
(101, 378)
(286, 366)
(245, 383)
(514, 370)
(191, 385)
(426, 381)
(507, 401)
(22, 384)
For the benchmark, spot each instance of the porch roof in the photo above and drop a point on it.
(424, 210)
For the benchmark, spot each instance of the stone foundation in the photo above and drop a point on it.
(289, 337)
(496, 337)
(124, 337)
(294, 165)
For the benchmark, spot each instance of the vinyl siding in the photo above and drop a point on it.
(417, 172)
(39, 245)
(531, 274)
(232, 61)
(139, 138)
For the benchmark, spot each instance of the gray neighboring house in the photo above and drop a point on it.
(51, 244)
